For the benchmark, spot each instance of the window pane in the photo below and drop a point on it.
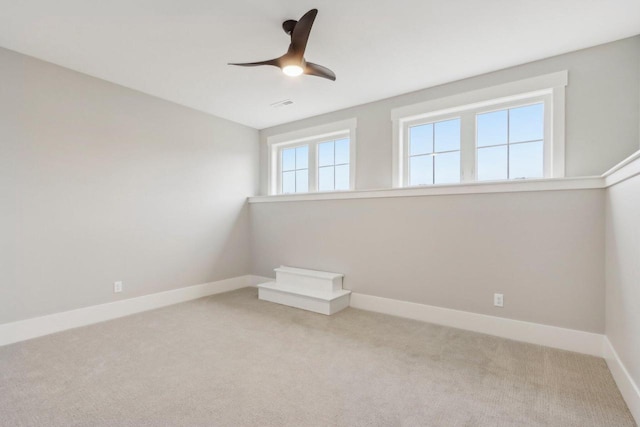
(526, 160)
(288, 182)
(492, 163)
(526, 123)
(448, 135)
(342, 177)
(325, 153)
(421, 139)
(302, 181)
(492, 128)
(421, 170)
(289, 159)
(325, 178)
(447, 167)
(302, 157)
(342, 151)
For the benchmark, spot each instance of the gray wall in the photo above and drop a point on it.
(601, 112)
(543, 250)
(101, 183)
(623, 272)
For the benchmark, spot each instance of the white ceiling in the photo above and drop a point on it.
(178, 49)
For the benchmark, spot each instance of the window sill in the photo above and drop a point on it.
(551, 184)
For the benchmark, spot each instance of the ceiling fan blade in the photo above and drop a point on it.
(320, 71)
(301, 32)
(274, 62)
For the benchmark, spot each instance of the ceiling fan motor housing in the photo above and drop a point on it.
(289, 25)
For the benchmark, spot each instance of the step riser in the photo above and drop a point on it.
(305, 303)
(310, 283)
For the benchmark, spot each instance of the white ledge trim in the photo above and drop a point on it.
(552, 184)
(628, 168)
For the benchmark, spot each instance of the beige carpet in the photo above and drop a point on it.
(231, 360)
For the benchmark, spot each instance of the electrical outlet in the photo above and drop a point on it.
(117, 287)
(498, 300)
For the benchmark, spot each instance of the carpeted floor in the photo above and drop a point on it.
(231, 360)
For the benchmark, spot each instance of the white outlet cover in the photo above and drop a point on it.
(498, 300)
(117, 287)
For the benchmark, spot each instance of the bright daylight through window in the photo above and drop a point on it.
(333, 165)
(332, 171)
(508, 144)
(434, 153)
(317, 159)
(295, 169)
(507, 132)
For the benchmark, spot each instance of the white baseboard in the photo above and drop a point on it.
(534, 333)
(566, 339)
(628, 388)
(49, 324)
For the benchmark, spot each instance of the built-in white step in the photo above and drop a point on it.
(308, 279)
(312, 290)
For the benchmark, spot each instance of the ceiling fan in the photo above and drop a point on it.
(293, 63)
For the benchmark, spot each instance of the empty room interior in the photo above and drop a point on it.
(250, 213)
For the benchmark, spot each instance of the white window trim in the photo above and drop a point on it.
(310, 136)
(426, 119)
(552, 86)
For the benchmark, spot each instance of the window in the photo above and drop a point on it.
(295, 170)
(310, 160)
(504, 140)
(511, 131)
(434, 153)
(510, 143)
(333, 165)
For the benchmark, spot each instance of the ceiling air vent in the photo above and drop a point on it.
(280, 104)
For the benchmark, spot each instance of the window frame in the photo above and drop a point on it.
(334, 164)
(424, 121)
(549, 89)
(547, 101)
(295, 169)
(311, 137)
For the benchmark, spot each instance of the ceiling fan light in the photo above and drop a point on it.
(292, 70)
